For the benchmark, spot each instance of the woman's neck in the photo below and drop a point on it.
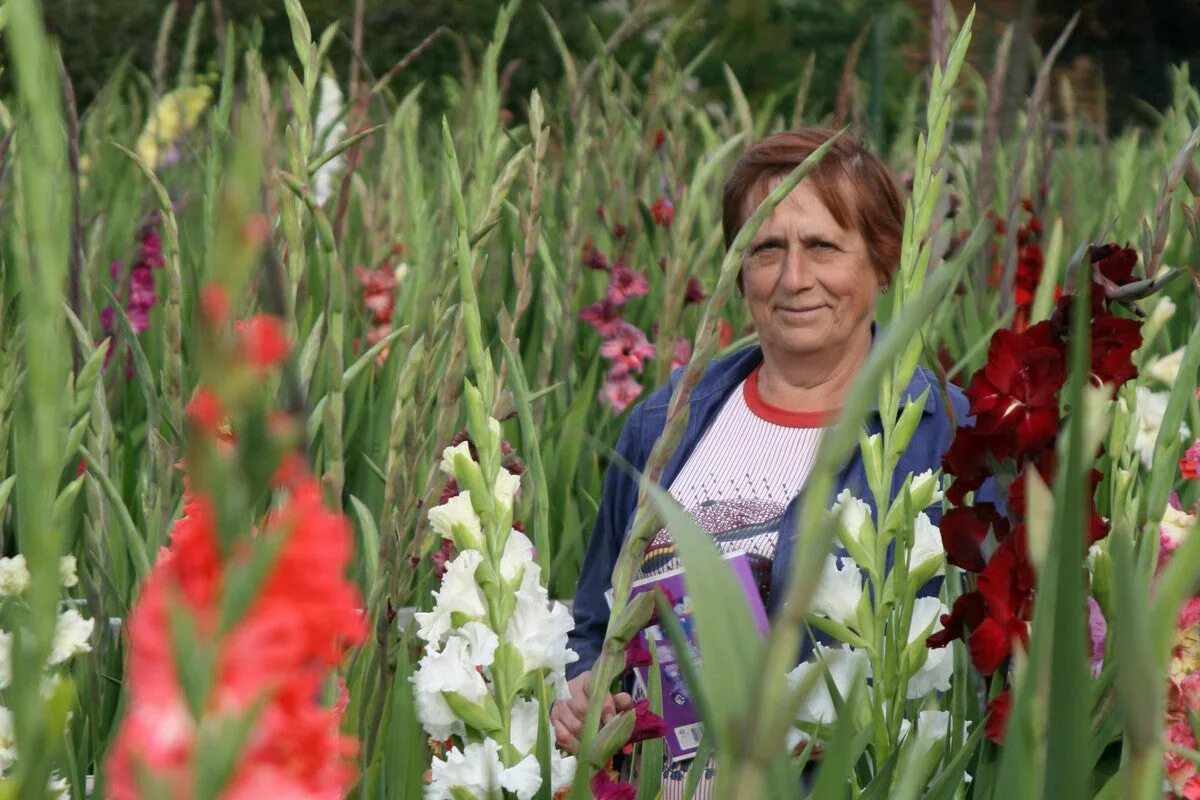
(812, 381)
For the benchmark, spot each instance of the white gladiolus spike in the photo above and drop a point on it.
(447, 464)
(14, 576)
(927, 543)
(852, 512)
(456, 511)
(459, 593)
(839, 591)
(1166, 368)
(1148, 417)
(446, 670)
(518, 552)
(507, 485)
(539, 630)
(71, 636)
(847, 667)
(934, 675)
(5, 659)
(67, 574)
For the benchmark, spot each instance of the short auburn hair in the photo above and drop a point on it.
(858, 189)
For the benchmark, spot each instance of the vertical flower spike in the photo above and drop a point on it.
(493, 640)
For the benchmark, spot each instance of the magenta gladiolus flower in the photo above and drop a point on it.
(647, 724)
(604, 787)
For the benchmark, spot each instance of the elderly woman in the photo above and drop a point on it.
(810, 280)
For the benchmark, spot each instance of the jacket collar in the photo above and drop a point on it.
(724, 375)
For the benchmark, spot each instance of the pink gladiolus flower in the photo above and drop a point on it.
(602, 316)
(1098, 628)
(620, 392)
(628, 348)
(624, 284)
(683, 354)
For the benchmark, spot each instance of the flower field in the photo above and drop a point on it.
(307, 396)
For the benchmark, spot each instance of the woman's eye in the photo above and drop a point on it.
(820, 245)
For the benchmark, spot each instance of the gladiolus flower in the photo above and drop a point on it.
(1015, 395)
(593, 258)
(619, 391)
(694, 292)
(663, 212)
(214, 303)
(624, 285)
(628, 348)
(264, 343)
(602, 317)
(683, 354)
(964, 530)
(605, 787)
(1189, 465)
(205, 411)
(998, 710)
(647, 724)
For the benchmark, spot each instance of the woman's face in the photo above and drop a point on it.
(808, 281)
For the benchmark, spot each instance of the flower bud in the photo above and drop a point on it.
(611, 738)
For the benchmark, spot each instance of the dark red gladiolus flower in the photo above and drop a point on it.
(663, 212)
(1015, 395)
(694, 293)
(1007, 582)
(1114, 263)
(605, 787)
(647, 724)
(964, 530)
(989, 646)
(967, 613)
(998, 710)
(593, 258)
(637, 654)
(966, 460)
(660, 136)
(1113, 342)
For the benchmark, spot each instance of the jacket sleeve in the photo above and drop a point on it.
(617, 505)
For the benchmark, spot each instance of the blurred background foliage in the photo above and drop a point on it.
(1117, 56)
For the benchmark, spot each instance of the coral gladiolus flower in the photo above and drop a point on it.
(205, 412)
(1189, 465)
(263, 341)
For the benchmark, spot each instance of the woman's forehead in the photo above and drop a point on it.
(812, 197)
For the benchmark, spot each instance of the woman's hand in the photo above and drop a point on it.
(566, 716)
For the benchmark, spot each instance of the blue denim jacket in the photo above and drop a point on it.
(646, 422)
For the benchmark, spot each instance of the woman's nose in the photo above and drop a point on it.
(798, 273)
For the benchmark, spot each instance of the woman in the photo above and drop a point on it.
(810, 280)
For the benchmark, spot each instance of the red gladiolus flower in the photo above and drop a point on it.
(694, 293)
(660, 136)
(1113, 342)
(724, 334)
(647, 724)
(967, 613)
(964, 531)
(989, 646)
(998, 710)
(624, 284)
(1015, 395)
(1189, 465)
(205, 412)
(1113, 264)
(263, 341)
(214, 303)
(663, 212)
(966, 459)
